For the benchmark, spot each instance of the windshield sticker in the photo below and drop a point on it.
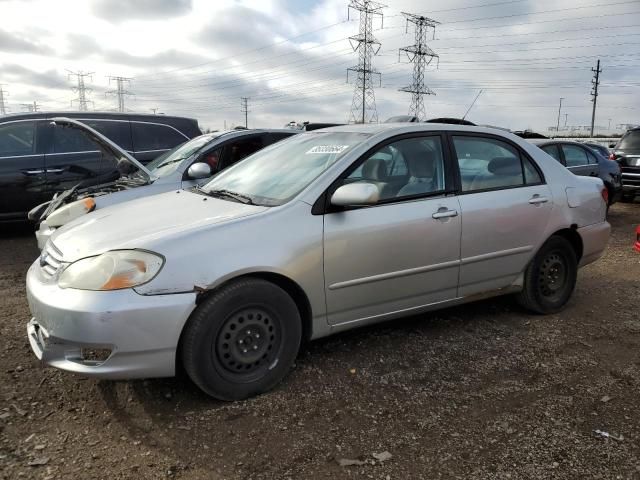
(324, 149)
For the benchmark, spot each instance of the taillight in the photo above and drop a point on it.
(605, 195)
(612, 156)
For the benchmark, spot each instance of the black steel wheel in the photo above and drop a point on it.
(241, 340)
(551, 277)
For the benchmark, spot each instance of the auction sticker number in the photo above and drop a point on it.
(324, 149)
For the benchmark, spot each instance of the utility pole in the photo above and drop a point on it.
(421, 56)
(594, 92)
(31, 107)
(80, 89)
(566, 115)
(120, 92)
(559, 109)
(3, 105)
(244, 108)
(367, 46)
(609, 129)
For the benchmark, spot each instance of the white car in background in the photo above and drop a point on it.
(185, 166)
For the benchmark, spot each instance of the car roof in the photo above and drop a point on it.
(76, 114)
(547, 141)
(407, 127)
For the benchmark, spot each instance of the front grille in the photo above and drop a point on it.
(50, 260)
(630, 176)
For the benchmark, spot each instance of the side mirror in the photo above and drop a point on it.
(356, 194)
(612, 145)
(199, 170)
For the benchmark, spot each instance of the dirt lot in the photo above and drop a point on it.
(481, 391)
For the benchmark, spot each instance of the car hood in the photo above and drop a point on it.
(140, 222)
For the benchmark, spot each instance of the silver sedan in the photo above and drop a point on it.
(320, 233)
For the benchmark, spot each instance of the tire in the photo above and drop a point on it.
(550, 278)
(242, 340)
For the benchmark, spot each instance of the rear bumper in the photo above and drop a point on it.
(136, 335)
(594, 241)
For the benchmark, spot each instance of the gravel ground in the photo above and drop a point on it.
(480, 391)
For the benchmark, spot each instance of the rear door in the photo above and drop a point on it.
(505, 207)
(576, 158)
(22, 176)
(153, 139)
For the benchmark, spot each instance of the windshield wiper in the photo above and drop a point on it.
(229, 194)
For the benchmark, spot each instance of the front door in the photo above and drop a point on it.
(504, 201)
(22, 175)
(402, 253)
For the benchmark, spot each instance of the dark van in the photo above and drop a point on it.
(38, 160)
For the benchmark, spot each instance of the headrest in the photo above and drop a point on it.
(505, 166)
(374, 169)
(420, 162)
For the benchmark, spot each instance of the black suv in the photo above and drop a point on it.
(627, 153)
(38, 160)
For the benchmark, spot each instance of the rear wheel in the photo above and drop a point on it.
(550, 278)
(242, 340)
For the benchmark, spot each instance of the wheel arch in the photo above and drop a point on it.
(573, 237)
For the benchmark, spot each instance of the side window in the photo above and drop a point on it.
(239, 149)
(70, 140)
(412, 166)
(592, 158)
(486, 163)
(148, 137)
(574, 156)
(117, 132)
(212, 158)
(553, 151)
(17, 139)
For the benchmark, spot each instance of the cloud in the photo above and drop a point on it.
(10, 42)
(121, 10)
(18, 74)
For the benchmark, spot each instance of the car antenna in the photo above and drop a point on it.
(472, 104)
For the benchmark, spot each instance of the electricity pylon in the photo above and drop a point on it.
(81, 89)
(120, 91)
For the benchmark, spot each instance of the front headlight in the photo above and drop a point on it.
(70, 212)
(112, 270)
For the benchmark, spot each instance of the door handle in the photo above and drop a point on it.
(444, 214)
(537, 199)
(32, 172)
(54, 170)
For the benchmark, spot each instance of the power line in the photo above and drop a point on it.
(80, 89)
(421, 56)
(31, 107)
(244, 108)
(3, 105)
(367, 46)
(594, 93)
(120, 91)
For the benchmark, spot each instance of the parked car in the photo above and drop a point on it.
(185, 166)
(37, 160)
(627, 153)
(320, 233)
(598, 149)
(581, 160)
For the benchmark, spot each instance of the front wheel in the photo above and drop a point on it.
(242, 340)
(550, 278)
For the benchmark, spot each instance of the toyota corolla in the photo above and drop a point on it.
(320, 233)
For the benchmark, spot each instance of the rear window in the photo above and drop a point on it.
(154, 137)
(630, 140)
(117, 132)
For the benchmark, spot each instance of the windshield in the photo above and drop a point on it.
(168, 162)
(631, 140)
(278, 173)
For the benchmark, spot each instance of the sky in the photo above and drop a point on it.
(197, 58)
